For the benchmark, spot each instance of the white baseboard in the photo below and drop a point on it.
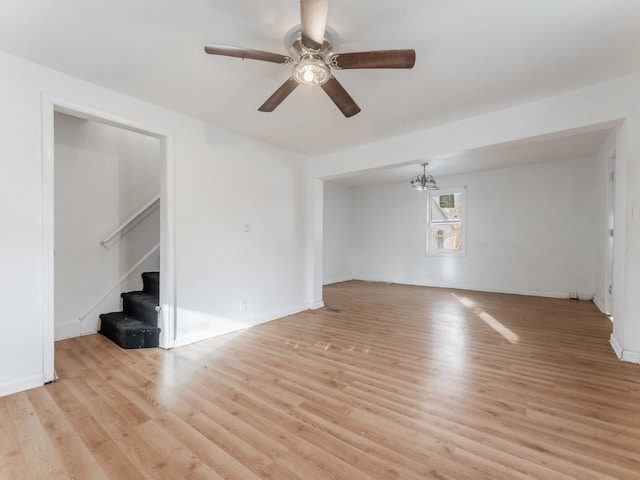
(68, 330)
(338, 279)
(508, 291)
(621, 353)
(477, 288)
(316, 306)
(630, 356)
(15, 386)
(199, 336)
(72, 330)
(617, 348)
(203, 327)
(600, 305)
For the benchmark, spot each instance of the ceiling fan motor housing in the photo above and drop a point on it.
(293, 43)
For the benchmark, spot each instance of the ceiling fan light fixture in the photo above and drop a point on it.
(311, 71)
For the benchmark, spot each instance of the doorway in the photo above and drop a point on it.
(106, 214)
(166, 317)
(611, 179)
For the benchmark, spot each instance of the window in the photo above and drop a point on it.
(446, 223)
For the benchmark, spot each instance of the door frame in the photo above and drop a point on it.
(611, 227)
(167, 315)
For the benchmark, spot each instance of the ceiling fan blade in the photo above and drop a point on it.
(340, 97)
(279, 95)
(313, 15)
(375, 59)
(246, 53)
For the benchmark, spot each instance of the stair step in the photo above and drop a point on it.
(137, 325)
(151, 282)
(142, 306)
(128, 332)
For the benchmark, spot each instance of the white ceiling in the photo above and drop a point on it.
(472, 57)
(584, 145)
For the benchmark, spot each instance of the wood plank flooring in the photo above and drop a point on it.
(386, 382)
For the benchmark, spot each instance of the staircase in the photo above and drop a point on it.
(136, 326)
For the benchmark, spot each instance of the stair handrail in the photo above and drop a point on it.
(120, 280)
(131, 222)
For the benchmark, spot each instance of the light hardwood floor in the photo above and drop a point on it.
(386, 382)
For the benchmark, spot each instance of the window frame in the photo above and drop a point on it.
(462, 221)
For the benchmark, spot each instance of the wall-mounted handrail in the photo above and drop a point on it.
(119, 282)
(135, 219)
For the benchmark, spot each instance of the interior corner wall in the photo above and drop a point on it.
(529, 231)
(337, 261)
(103, 176)
(217, 263)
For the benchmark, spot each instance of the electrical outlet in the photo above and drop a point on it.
(244, 305)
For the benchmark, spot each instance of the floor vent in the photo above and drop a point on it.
(331, 310)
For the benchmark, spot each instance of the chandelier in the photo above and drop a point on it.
(424, 181)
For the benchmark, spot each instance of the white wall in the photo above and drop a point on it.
(103, 176)
(219, 181)
(233, 184)
(337, 223)
(529, 231)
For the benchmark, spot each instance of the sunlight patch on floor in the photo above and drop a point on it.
(488, 319)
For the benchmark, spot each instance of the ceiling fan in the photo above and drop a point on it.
(312, 57)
